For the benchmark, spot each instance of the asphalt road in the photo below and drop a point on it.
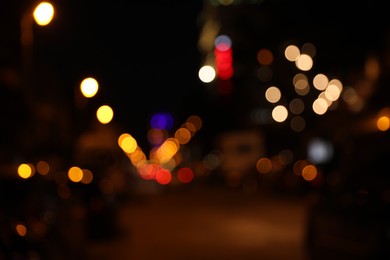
(206, 223)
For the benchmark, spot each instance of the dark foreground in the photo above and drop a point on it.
(207, 223)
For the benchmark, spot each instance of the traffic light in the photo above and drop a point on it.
(223, 57)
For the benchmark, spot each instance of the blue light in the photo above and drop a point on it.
(162, 121)
(223, 42)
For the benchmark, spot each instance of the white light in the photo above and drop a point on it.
(320, 151)
(304, 62)
(89, 87)
(279, 113)
(207, 74)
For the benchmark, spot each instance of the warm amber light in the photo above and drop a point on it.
(127, 143)
(383, 123)
(87, 176)
(309, 172)
(292, 53)
(183, 135)
(43, 167)
(44, 13)
(104, 114)
(265, 57)
(273, 94)
(89, 87)
(25, 170)
(264, 165)
(304, 62)
(21, 230)
(75, 174)
(196, 121)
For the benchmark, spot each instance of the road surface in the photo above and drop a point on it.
(206, 223)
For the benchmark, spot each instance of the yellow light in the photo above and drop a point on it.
(25, 170)
(127, 143)
(104, 114)
(43, 13)
(89, 87)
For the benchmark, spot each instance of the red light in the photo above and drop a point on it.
(163, 176)
(185, 175)
(148, 171)
(224, 61)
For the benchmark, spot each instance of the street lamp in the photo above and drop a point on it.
(42, 14)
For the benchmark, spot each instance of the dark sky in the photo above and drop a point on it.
(140, 53)
(145, 54)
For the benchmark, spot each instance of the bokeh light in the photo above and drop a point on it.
(105, 114)
(162, 121)
(42, 167)
(26, 170)
(185, 175)
(279, 113)
(207, 74)
(273, 94)
(43, 13)
(304, 62)
(265, 56)
(127, 143)
(75, 174)
(89, 87)
(292, 53)
(21, 230)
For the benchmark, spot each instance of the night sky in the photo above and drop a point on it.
(145, 56)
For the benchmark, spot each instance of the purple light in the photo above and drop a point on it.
(161, 121)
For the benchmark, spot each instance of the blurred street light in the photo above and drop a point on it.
(89, 87)
(104, 114)
(42, 14)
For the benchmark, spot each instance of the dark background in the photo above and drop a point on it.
(146, 55)
(146, 58)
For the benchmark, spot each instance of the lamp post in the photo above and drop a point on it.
(42, 14)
